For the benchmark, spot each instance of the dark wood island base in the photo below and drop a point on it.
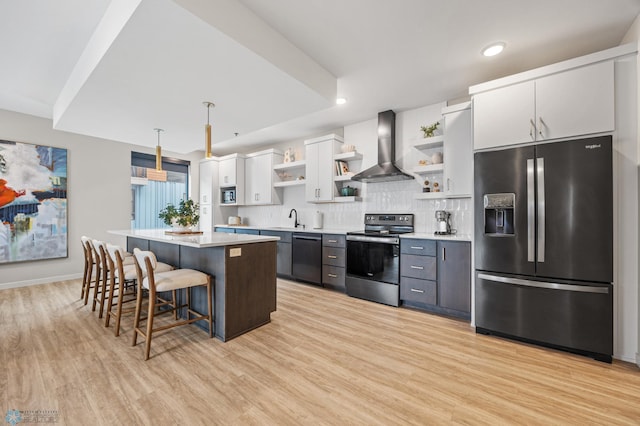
(243, 277)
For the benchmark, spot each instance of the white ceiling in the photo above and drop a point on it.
(118, 69)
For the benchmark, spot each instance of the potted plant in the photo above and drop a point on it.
(428, 130)
(182, 218)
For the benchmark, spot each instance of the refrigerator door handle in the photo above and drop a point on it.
(531, 205)
(544, 284)
(541, 209)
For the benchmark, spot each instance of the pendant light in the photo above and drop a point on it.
(157, 174)
(207, 130)
(158, 152)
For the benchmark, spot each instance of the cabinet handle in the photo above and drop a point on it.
(417, 267)
(448, 184)
(417, 248)
(540, 126)
(532, 128)
(332, 275)
(332, 241)
(444, 254)
(332, 256)
(415, 290)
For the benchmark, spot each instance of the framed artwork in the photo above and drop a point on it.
(33, 202)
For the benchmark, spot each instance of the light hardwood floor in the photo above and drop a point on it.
(324, 359)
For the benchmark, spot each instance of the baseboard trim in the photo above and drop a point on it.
(638, 359)
(48, 280)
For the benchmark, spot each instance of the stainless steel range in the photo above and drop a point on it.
(373, 258)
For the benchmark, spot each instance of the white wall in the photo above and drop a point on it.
(99, 193)
(633, 35)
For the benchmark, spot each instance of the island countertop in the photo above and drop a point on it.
(206, 239)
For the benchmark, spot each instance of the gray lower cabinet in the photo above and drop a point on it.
(236, 230)
(454, 275)
(224, 229)
(436, 276)
(247, 231)
(283, 255)
(334, 261)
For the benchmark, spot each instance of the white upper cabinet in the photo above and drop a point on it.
(231, 170)
(319, 187)
(259, 177)
(504, 116)
(231, 176)
(576, 102)
(458, 151)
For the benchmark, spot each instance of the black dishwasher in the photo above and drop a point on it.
(306, 259)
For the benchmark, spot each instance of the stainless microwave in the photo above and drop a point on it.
(228, 196)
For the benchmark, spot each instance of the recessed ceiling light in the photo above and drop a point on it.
(341, 101)
(493, 49)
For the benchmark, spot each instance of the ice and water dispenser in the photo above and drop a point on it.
(498, 214)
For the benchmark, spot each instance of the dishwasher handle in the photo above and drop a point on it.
(304, 237)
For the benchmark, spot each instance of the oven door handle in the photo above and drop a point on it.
(368, 239)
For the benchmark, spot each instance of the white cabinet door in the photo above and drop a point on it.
(576, 102)
(319, 171)
(227, 172)
(206, 217)
(207, 170)
(311, 172)
(458, 153)
(326, 166)
(258, 181)
(504, 116)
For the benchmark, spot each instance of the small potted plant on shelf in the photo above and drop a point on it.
(428, 130)
(182, 218)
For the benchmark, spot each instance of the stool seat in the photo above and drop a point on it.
(130, 270)
(178, 278)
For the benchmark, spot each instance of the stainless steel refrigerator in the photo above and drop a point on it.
(544, 245)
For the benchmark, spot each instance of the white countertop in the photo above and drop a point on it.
(421, 235)
(285, 229)
(206, 239)
(425, 236)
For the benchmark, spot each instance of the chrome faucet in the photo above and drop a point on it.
(295, 222)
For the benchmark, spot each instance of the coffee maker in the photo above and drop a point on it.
(443, 222)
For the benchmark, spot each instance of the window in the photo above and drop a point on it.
(148, 196)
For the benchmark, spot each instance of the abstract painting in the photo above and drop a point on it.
(33, 202)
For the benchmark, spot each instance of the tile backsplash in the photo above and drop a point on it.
(385, 197)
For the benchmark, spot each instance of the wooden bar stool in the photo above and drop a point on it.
(95, 255)
(102, 275)
(89, 268)
(167, 281)
(123, 273)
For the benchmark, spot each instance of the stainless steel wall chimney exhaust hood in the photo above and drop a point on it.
(386, 169)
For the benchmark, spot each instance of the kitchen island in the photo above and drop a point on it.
(242, 268)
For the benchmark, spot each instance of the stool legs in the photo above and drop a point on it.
(136, 318)
(209, 306)
(152, 306)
